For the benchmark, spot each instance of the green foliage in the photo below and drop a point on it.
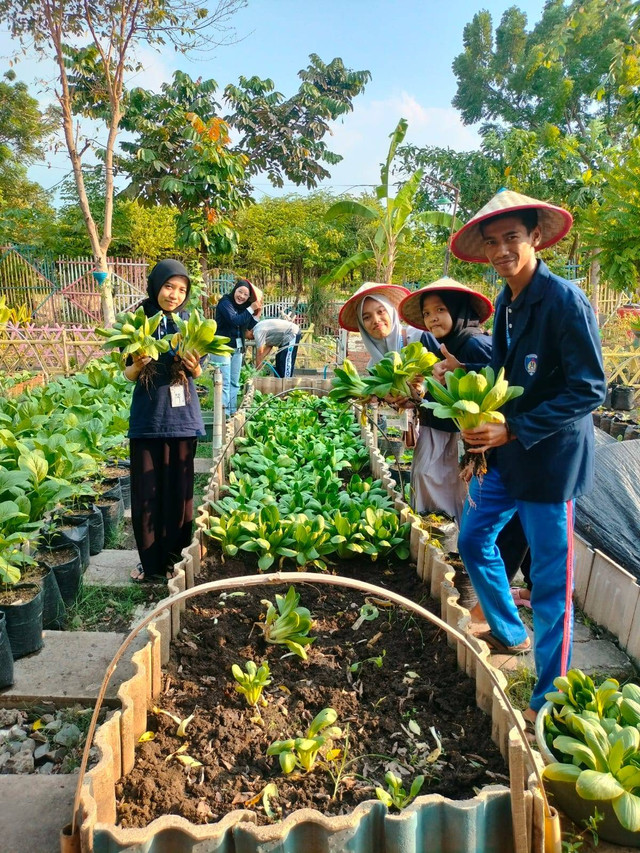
(289, 236)
(285, 498)
(52, 439)
(471, 398)
(288, 624)
(133, 333)
(197, 335)
(252, 681)
(606, 766)
(186, 163)
(595, 734)
(284, 137)
(303, 752)
(395, 375)
(395, 794)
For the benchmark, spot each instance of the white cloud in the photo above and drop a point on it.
(362, 138)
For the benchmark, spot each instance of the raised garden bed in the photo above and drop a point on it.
(405, 706)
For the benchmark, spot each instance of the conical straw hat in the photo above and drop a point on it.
(348, 316)
(411, 312)
(468, 245)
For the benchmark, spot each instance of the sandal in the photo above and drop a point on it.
(497, 646)
(141, 577)
(519, 601)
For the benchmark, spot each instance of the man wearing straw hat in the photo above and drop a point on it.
(546, 337)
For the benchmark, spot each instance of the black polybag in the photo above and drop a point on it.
(609, 516)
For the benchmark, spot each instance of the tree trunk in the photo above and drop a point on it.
(106, 289)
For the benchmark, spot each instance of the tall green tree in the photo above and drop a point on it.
(110, 30)
(25, 209)
(285, 137)
(288, 240)
(186, 162)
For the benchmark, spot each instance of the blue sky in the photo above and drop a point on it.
(408, 45)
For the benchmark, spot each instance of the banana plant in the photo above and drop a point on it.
(132, 333)
(288, 624)
(303, 752)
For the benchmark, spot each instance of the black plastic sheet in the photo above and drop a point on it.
(609, 517)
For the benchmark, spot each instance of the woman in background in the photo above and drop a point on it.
(235, 313)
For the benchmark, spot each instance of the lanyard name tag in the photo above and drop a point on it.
(238, 343)
(177, 396)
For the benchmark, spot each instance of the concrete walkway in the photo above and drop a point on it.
(70, 669)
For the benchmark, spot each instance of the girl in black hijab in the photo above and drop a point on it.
(235, 313)
(164, 423)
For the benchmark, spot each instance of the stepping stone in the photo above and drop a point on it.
(602, 657)
(34, 809)
(111, 567)
(69, 669)
(202, 466)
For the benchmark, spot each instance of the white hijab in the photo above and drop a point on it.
(392, 343)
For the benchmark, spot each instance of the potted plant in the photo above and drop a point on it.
(589, 739)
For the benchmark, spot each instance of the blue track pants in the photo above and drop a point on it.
(549, 531)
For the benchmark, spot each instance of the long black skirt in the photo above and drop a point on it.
(161, 500)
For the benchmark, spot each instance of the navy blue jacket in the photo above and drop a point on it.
(555, 354)
(231, 323)
(152, 415)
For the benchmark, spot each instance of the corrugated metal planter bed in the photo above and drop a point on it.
(498, 819)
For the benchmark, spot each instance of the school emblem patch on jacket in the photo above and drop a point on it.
(531, 363)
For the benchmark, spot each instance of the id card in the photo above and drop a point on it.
(238, 343)
(177, 396)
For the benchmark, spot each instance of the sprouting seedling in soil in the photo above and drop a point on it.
(395, 794)
(288, 624)
(368, 612)
(376, 661)
(252, 682)
(182, 724)
(303, 752)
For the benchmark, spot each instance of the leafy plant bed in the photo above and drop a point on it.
(400, 701)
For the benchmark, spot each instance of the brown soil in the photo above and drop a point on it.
(115, 471)
(19, 594)
(56, 557)
(105, 485)
(388, 711)
(35, 574)
(100, 501)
